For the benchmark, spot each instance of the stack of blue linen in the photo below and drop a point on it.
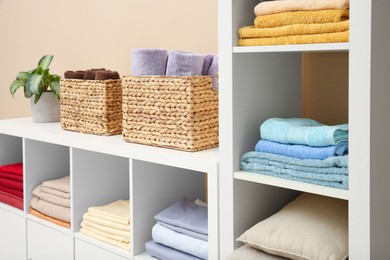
(181, 232)
(303, 150)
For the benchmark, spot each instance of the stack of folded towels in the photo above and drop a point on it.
(51, 201)
(303, 150)
(297, 22)
(174, 63)
(11, 185)
(109, 223)
(92, 74)
(181, 232)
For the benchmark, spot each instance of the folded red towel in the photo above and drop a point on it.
(11, 176)
(16, 168)
(14, 192)
(12, 184)
(11, 200)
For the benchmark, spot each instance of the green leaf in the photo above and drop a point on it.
(55, 87)
(34, 82)
(27, 92)
(37, 97)
(45, 61)
(17, 83)
(23, 75)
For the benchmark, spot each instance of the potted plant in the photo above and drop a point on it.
(40, 85)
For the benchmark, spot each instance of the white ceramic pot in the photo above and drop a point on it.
(47, 109)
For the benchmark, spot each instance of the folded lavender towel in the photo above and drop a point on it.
(184, 64)
(208, 59)
(149, 61)
(213, 72)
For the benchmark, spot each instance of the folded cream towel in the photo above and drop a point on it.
(293, 29)
(119, 209)
(305, 17)
(108, 230)
(109, 218)
(273, 7)
(106, 234)
(92, 234)
(297, 39)
(62, 184)
(50, 197)
(104, 222)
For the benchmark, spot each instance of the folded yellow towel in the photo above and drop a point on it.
(118, 210)
(294, 29)
(297, 39)
(92, 234)
(105, 234)
(107, 230)
(274, 7)
(305, 17)
(104, 222)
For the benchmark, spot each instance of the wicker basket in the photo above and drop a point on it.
(173, 112)
(91, 106)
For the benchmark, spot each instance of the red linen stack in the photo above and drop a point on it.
(11, 185)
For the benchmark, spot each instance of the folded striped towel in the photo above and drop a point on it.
(331, 172)
(302, 151)
(273, 7)
(303, 131)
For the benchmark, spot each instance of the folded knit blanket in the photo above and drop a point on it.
(62, 184)
(297, 39)
(302, 151)
(272, 7)
(37, 191)
(50, 209)
(301, 17)
(167, 253)
(303, 131)
(293, 29)
(331, 172)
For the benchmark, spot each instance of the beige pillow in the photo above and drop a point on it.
(310, 227)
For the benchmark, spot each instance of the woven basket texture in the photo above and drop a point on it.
(173, 112)
(91, 106)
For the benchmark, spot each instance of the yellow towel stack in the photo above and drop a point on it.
(297, 22)
(109, 223)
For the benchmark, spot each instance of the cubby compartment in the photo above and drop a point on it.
(11, 149)
(86, 248)
(155, 187)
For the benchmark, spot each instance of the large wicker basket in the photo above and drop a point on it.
(91, 106)
(173, 112)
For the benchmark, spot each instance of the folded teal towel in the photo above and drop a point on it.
(303, 131)
(331, 172)
(302, 151)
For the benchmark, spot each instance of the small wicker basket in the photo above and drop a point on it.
(91, 106)
(172, 112)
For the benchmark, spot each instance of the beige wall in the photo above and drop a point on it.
(82, 34)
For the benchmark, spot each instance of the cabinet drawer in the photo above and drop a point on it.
(45, 243)
(87, 251)
(12, 235)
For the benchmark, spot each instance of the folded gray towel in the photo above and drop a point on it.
(149, 61)
(185, 64)
(206, 64)
(213, 72)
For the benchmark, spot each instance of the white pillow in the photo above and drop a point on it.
(310, 227)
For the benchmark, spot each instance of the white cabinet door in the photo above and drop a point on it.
(12, 236)
(87, 251)
(45, 243)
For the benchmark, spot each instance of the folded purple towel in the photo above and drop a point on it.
(185, 64)
(149, 61)
(207, 63)
(213, 72)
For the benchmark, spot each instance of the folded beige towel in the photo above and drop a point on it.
(104, 229)
(92, 234)
(62, 184)
(50, 209)
(106, 234)
(294, 29)
(50, 197)
(104, 222)
(305, 17)
(273, 7)
(48, 218)
(297, 39)
(58, 193)
(118, 210)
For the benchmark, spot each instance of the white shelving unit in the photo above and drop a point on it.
(102, 169)
(265, 81)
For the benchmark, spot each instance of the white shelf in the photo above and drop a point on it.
(144, 256)
(293, 185)
(11, 209)
(103, 245)
(66, 231)
(323, 47)
(114, 145)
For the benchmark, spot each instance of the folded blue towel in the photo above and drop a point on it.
(331, 172)
(207, 63)
(185, 231)
(302, 151)
(213, 72)
(303, 131)
(167, 253)
(149, 61)
(184, 64)
(189, 245)
(185, 214)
